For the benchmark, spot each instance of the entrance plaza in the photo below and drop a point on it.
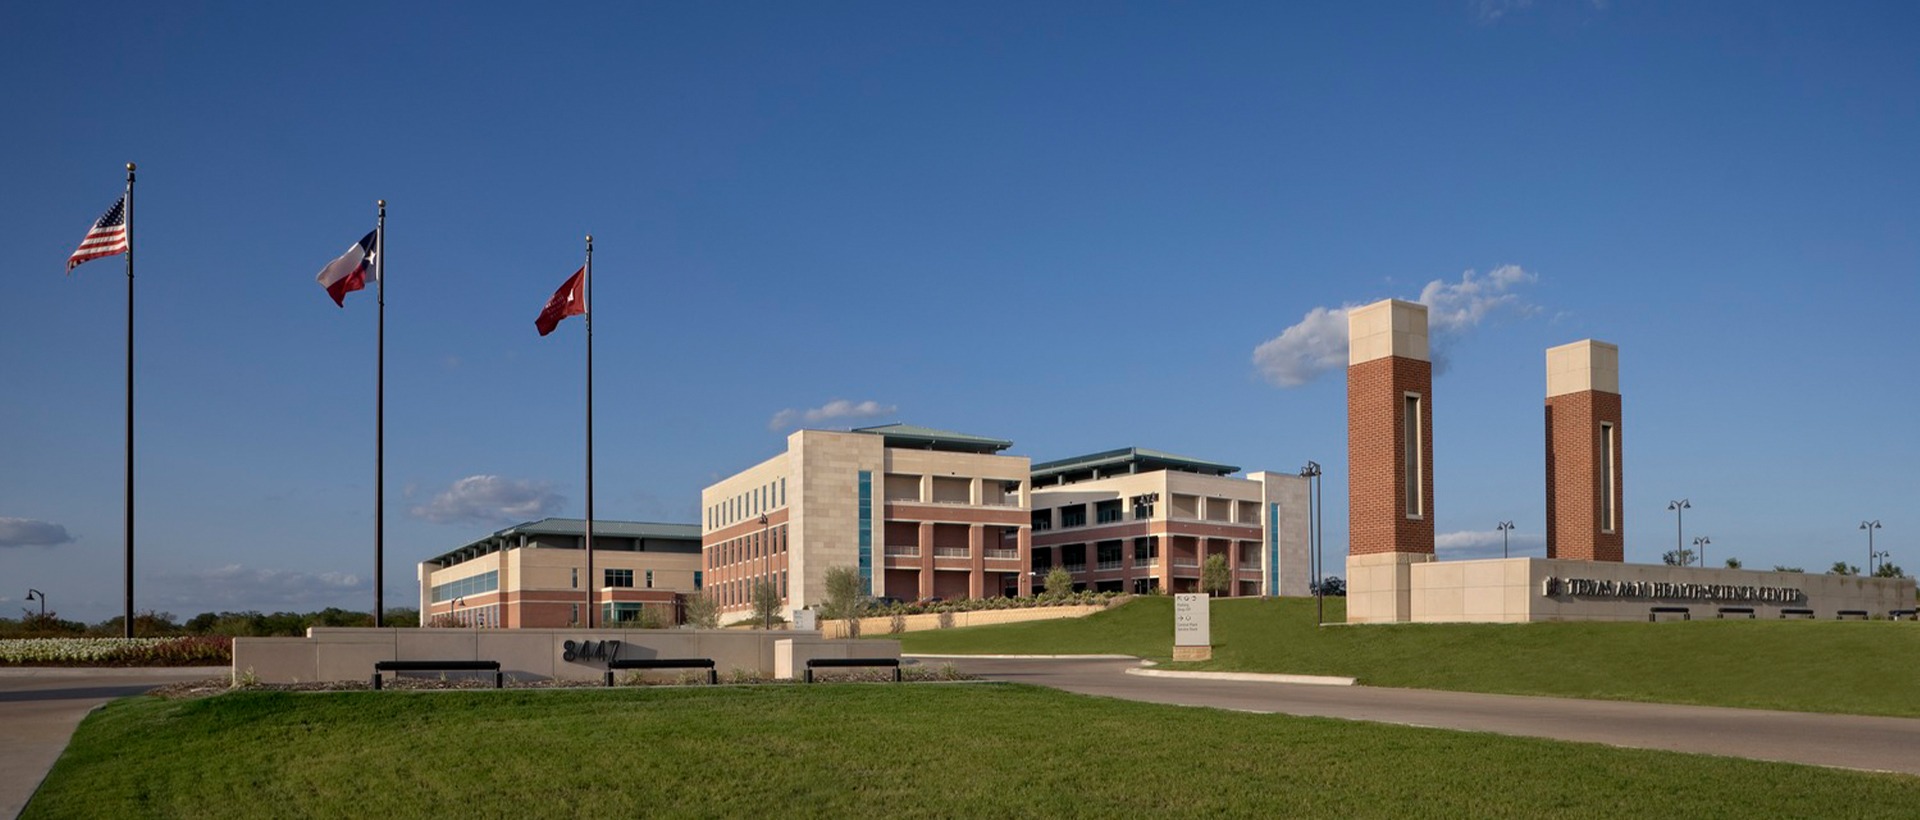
(1392, 575)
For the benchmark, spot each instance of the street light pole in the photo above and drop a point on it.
(1316, 561)
(34, 593)
(1678, 518)
(1505, 527)
(1870, 526)
(1701, 544)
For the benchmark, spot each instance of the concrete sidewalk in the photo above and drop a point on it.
(1881, 744)
(40, 707)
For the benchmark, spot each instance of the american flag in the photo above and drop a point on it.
(108, 236)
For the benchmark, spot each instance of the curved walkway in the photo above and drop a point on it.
(40, 708)
(1844, 741)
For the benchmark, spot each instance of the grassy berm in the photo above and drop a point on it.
(870, 750)
(1854, 667)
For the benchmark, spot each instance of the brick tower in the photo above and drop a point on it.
(1389, 458)
(1583, 452)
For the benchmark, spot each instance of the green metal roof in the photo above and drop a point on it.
(573, 526)
(1126, 460)
(927, 438)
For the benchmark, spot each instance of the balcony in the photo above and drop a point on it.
(1186, 563)
(909, 551)
(1113, 564)
(951, 552)
(1075, 567)
(1006, 555)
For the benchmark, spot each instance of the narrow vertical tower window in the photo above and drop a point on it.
(1410, 454)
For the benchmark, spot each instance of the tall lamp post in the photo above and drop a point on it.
(1870, 526)
(766, 563)
(1505, 527)
(1883, 555)
(1311, 473)
(1700, 546)
(1679, 516)
(34, 593)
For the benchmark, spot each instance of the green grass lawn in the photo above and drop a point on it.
(869, 750)
(1869, 668)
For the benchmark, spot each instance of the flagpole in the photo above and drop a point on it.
(380, 426)
(590, 581)
(129, 513)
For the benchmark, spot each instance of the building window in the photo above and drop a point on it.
(1107, 512)
(1042, 520)
(1107, 554)
(575, 583)
(619, 578)
(1273, 549)
(1607, 489)
(1143, 506)
(470, 585)
(1410, 437)
(1144, 550)
(866, 531)
(576, 614)
(649, 579)
(1073, 515)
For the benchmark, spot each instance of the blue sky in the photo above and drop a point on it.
(1069, 225)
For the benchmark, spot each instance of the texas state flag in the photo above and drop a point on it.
(352, 270)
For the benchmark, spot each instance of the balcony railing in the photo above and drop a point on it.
(904, 552)
(951, 552)
(1075, 567)
(1187, 563)
(1012, 554)
(1113, 564)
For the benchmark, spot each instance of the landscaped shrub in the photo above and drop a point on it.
(189, 651)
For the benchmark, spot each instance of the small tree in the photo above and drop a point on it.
(766, 603)
(843, 600)
(1843, 568)
(703, 611)
(1733, 563)
(1785, 568)
(1059, 582)
(1215, 578)
(1678, 558)
(1889, 571)
(1331, 586)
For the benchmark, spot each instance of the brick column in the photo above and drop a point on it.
(1584, 519)
(977, 560)
(926, 559)
(1389, 458)
(1233, 567)
(1026, 561)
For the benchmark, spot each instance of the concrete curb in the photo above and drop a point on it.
(1025, 657)
(1256, 677)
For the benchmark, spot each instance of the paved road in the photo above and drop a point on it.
(39, 709)
(1845, 741)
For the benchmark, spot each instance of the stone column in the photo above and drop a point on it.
(976, 561)
(1026, 561)
(1389, 458)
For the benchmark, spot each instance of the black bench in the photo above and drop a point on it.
(1654, 613)
(499, 680)
(1796, 611)
(843, 663)
(1736, 610)
(1845, 613)
(1897, 614)
(713, 675)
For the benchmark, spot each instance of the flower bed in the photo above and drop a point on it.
(1088, 598)
(186, 651)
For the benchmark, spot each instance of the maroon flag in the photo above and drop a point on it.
(569, 300)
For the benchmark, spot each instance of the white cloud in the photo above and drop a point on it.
(28, 532)
(836, 409)
(1486, 544)
(239, 587)
(490, 499)
(1317, 344)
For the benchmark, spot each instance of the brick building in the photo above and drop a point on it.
(532, 575)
